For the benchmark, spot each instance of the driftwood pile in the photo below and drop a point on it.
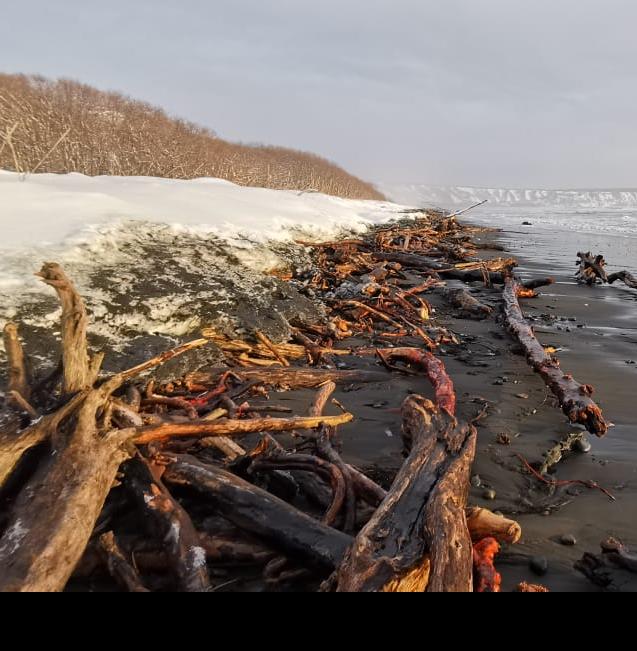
(592, 270)
(160, 484)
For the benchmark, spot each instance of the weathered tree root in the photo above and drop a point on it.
(574, 397)
(79, 370)
(419, 535)
(592, 269)
(627, 278)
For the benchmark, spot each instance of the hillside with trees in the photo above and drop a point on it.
(63, 126)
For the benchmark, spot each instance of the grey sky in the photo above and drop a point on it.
(482, 92)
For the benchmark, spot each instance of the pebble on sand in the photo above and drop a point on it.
(568, 540)
(489, 494)
(539, 565)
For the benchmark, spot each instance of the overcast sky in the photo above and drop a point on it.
(525, 93)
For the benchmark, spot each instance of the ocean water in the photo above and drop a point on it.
(558, 235)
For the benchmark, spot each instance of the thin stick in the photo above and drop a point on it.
(554, 482)
(167, 431)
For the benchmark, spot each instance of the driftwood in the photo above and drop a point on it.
(119, 567)
(55, 514)
(18, 371)
(283, 527)
(484, 524)
(614, 569)
(487, 578)
(169, 523)
(428, 546)
(294, 378)
(591, 269)
(13, 446)
(627, 278)
(432, 367)
(467, 303)
(574, 398)
(80, 372)
(227, 427)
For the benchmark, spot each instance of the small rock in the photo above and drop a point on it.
(568, 540)
(522, 396)
(476, 481)
(498, 383)
(583, 445)
(539, 565)
(489, 494)
(527, 224)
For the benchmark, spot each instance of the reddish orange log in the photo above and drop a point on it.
(486, 577)
(434, 370)
(575, 398)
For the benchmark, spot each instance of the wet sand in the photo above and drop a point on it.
(593, 328)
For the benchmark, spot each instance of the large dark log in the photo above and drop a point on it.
(272, 520)
(574, 397)
(169, 523)
(627, 278)
(418, 539)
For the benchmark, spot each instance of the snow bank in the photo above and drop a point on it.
(158, 257)
(50, 209)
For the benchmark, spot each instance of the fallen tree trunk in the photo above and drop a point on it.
(627, 278)
(418, 539)
(574, 398)
(294, 378)
(272, 520)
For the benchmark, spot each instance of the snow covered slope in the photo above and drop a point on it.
(454, 196)
(157, 257)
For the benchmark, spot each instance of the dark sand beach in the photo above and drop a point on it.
(593, 330)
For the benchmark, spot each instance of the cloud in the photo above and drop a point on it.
(495, 92)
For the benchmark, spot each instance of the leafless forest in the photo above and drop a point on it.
(64, 126)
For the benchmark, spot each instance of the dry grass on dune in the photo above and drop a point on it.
(63, 126)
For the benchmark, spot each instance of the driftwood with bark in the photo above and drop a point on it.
(575, 398)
